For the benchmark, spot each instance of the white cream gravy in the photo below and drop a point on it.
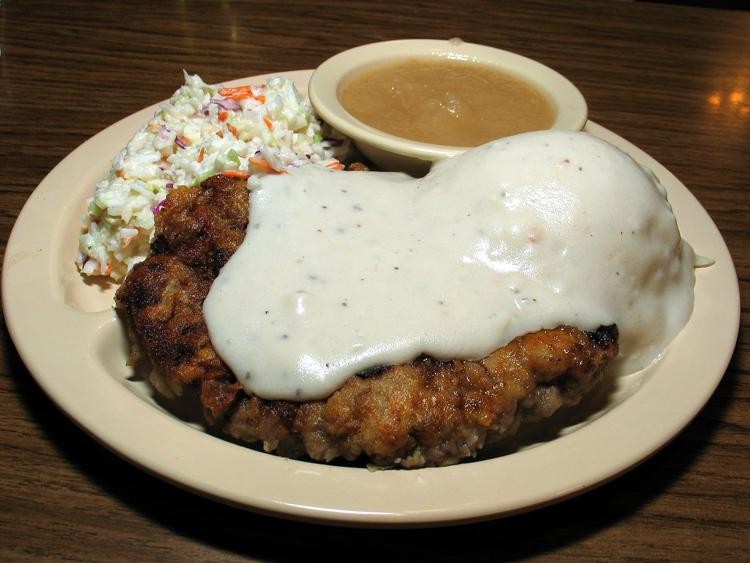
(344, 271)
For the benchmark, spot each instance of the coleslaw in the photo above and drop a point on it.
(200, 131)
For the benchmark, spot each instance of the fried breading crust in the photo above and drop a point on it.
(195, 234)
(424, 413)
(429, 412)
(203, 226)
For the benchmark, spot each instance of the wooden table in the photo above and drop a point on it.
(674, 80)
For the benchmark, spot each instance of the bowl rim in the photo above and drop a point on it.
(572, 110)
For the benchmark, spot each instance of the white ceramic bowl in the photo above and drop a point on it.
(390, 152)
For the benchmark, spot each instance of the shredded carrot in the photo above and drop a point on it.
(183, 140)
(265, 165)
(260, 163)
(237, 93)
(201, 154)
(268, 122)
(120, 174)
(236, 174)
(336, 165)
(233, 130)
(224, 115)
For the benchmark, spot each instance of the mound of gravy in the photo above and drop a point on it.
(344, 271)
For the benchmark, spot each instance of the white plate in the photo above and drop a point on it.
(68, 336)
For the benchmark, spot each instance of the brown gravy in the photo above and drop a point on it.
(446, 102)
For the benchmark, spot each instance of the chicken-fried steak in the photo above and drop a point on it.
(423, 413)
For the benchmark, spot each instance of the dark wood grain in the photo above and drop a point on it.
(649, 72)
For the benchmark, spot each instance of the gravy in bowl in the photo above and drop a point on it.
(446, 102)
